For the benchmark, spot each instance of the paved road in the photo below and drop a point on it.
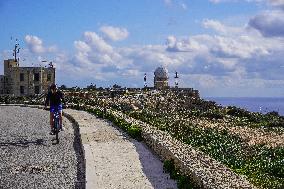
(28, 157)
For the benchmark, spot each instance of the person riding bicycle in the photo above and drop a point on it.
(54, 98)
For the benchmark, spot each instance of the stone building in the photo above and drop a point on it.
(24, 81)
(161, 81)
(161, 78)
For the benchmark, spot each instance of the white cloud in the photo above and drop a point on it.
(114, 33)
(35, 45)
(94, 54)
(210, 72)
(225, 61)
(96, 42)
(183, 45)
(221, 28)
(242, 47)
(232, 59)
(82, 46)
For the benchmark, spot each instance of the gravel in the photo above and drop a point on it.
(29, 156)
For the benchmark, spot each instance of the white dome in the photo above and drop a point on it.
(161, 72)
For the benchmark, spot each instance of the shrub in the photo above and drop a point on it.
(239, 112)
(213, 114)
(183, 182)
(135, 132)
(273, 113)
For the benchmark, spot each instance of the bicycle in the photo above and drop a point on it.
(56, 124)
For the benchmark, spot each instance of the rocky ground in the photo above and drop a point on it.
(29, 157)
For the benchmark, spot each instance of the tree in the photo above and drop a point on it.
(90, 87)
(115, 86)
(63, 87)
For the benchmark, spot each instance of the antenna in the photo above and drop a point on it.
(16, 50)
(176, 80)
(50, 64)
(145, 80)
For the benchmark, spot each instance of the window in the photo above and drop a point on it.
(22, 89)
(22, 76)
(36, 77)
(48, 77)
(36, 89)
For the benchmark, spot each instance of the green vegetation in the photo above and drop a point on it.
(264, 166)
(263, 170)
(253, 119)
(183, 182)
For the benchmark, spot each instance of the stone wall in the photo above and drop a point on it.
(205, 171)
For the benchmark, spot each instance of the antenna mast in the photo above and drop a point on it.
(145, 81)
(16, 51)
(176, 80)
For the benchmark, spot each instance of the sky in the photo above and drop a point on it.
(230, 48)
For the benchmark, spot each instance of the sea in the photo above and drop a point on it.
(253, 104)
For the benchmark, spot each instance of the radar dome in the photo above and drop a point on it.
(161, 72)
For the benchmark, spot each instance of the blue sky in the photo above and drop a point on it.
(220, 47)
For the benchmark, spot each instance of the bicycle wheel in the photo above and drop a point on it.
(56, 127)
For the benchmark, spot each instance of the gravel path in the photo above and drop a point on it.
(116, 161)
(28, 156)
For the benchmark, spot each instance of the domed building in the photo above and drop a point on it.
(161, 78)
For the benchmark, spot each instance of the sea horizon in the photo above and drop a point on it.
(253, 104)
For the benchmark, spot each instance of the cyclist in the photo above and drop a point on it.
(55, 99)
